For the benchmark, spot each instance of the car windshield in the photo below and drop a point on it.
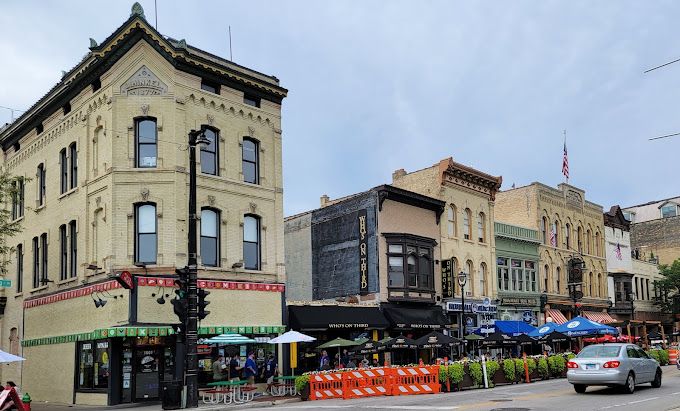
(600, 351)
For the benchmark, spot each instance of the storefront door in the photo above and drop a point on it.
(147, 370)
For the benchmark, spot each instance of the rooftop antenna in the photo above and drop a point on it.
(155, 11)
(231, 56)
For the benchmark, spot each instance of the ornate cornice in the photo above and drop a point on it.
(456, 174)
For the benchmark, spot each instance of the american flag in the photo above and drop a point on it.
(617, 250)
(565, 162)
(553, 237)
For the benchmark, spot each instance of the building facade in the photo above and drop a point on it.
(568, 226)
(380, 249)
(655, 230)
(517, 279)
(467, 237)
(619, 264)
(105, 150)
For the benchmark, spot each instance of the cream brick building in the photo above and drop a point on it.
(467, 236)
(578, 229)
(105, 150)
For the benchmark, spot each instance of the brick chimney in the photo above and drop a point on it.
(398, 174)
(325, 200)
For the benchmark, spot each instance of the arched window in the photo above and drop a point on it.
(597, 243)
(579, 239)
(63, 171)
(209, 153)
(600, 286)
(481, 228)
(558, 285)
(146, 150)
(544, 227)
(14, 341)
(471, 280)
(210, 237)
(251, 242)
(567, 236)
(546, 274)
(590, 284)
(40, 180)
(467, 229)
(482, 279)
(146, 235)
(451, 219)
(73, 154)
(556, 233)
(588, 241)
(251, 166)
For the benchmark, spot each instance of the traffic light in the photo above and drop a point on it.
(180, 303)
(202, 303)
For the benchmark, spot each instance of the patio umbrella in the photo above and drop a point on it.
(435, 340)
(291, 337)
(580, 326)
(554, 337)
(543, 330)
(229, 339)
(524, 339)
(6, 357)
(368, 347)
(337, 343)
(499, 339)
(397, 343)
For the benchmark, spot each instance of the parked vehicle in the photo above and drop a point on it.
(612, 365)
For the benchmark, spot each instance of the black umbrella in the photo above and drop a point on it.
(369, 347)
(524, 339)
(397, 343)
(554, 337)
(435, 340)
(498, 338)
(654, 335)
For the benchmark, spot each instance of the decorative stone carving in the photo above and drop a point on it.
(137, 10)
(145, 109)
(574, 198)
(211, 119)
(211, 200)
(144, 83)
(93, 43)
(251, 131)
(253, 207)
(145, 194)
(182, 44)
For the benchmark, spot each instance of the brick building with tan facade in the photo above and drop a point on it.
(467, 233)
(105, 150)
(568, 226)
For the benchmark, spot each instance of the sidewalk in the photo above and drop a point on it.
(263, 401)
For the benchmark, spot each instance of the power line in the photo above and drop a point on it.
(666, 136)
(663, 65)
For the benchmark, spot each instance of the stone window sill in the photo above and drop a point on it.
(68, 193)
(41, 288)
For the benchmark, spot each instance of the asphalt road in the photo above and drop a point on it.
(550, 395)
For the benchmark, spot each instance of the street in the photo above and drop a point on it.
(544, 395)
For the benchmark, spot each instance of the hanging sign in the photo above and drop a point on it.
(363, 253)
(447, 279)
(124, 278)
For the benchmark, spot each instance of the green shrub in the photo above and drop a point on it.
(556, 364)
(531, 363)
(491, 368)
(519, 368)
(543, 370)
(301, 382)
(476, 373)
(654, 354)
(664, 357)
(456, 372)
(443, 374)
(570, 356)
(509, 369)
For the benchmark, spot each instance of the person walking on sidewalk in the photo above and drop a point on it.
(250, 369)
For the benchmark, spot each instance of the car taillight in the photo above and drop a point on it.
(572, 364)
(611, 364)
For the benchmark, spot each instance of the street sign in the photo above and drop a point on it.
(5, 283)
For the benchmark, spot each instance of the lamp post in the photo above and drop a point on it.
(462, 279)
(191, 329)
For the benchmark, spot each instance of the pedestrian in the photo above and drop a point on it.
(234, 368)
(218, 367)
(344, 359)
(324, 363)
(250, 369)
(271, 370)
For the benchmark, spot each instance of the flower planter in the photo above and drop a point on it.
(304, 394)
(499, 378)
(467, 381)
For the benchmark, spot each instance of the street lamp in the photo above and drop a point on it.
(462, 279)
(191, 328)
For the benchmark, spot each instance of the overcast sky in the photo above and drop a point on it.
(377, 86)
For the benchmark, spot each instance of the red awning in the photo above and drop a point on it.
(557, 316)
(599, 317)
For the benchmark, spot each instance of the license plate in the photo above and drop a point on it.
(591, 367)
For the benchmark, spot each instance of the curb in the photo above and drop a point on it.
(252, 404)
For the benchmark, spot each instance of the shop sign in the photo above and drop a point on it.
(363, 253)
(519, 301)
(347, 325)
(447, 279)
(472, 307)
(124, 278)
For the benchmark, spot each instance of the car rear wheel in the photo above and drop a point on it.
(629, 387)
(657, 379)
(580, 388)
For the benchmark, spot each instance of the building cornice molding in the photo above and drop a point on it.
(456, 174)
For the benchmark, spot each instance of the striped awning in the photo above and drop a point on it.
(557, 316)
(599, 317)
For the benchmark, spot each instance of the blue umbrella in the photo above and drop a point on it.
(580, 326)
(543, 330)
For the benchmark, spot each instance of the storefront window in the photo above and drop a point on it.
(93, 365)
(516, 275)
(409, 263)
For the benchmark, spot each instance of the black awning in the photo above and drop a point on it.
(325, 317)
(408, 318)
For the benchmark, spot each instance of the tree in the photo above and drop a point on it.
(9, 192)
(669, 287)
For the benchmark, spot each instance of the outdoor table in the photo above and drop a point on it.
(231, 391)
(288, 384)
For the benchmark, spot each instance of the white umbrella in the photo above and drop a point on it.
(7, 357)
(229, 339)
(291, 337)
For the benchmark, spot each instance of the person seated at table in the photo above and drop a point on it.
(351, 363)
(234, 368)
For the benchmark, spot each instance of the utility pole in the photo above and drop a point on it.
(195, 138)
